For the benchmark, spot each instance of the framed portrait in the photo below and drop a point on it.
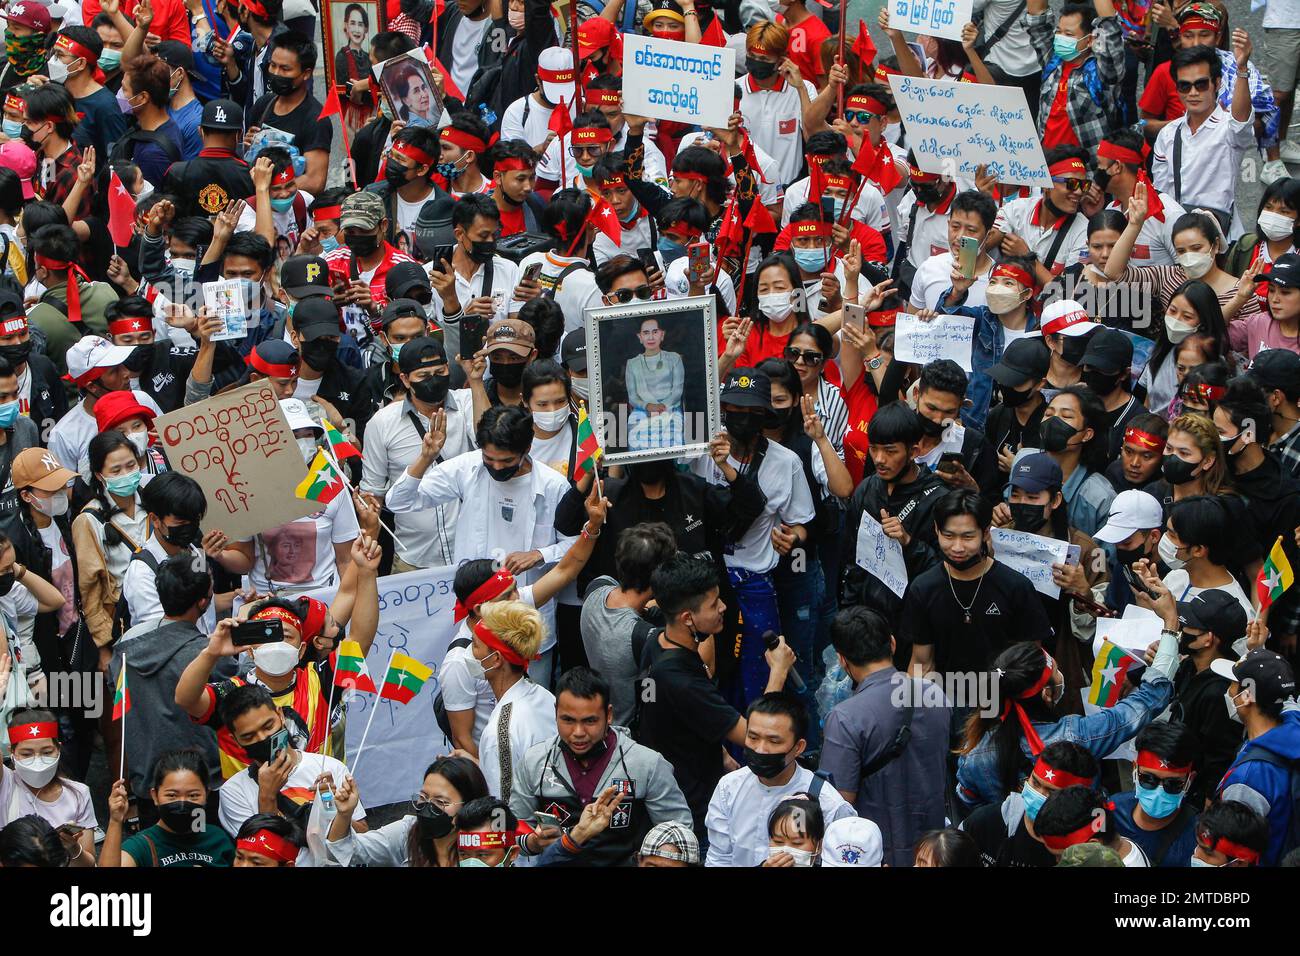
(407, 82)
(347, 27)
(654, 378)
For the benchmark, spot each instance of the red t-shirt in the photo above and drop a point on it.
(805, 47)
(869, 239)
(861, 402)
(1160, 98)
(512, 221)
(761, 345)
(171, 21)
(1059, 130)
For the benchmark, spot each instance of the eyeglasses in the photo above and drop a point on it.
(419, 801)
(642, 292)
(808, 356)
(576, 151)
(858, 116)
(1071, 184)
(1200, 85)
(1170, 785)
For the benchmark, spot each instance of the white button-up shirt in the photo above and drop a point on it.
(1155, 243)
(1211, 161)
(1021, 217)
(532, 720)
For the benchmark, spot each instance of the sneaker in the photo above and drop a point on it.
(1290, 151)
(1272, 171)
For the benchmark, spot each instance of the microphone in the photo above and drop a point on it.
(771, 640)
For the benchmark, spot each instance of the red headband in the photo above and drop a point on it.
(279, 614)
(458, 137)
(693, 177)
(1031, 735)
(1011, 271)
(1065, 321)
(314, 622)
(483, 839)
(414, 154)
(266, 843)
(1207, 392)
(555, 76)
(684, 228)
(1069, 167)
(1058, 778)
(14, 326)
(1109, 150)
(511, 163)
(837, 182)
(259, 364)
(1149, 761)
(1066, 840)
(127, 326)
(73, 270)
(508, 653)
(323, 213)
(32, 732)
(919, 176)
(604, 97)
(15, 103)
(589, 135)
(1143, 439)
(69, 45)
(760, 50)
(868, 103)
(489, 590)
(814, 228)
(1229, 848)
(614, 181)
(284, 176)
(1198, 22)
(255, 6)
(816, 159)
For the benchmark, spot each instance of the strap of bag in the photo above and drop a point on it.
(901, 739)
(1178, 166)
(983, 47)
(1172, 832)
(1059, 240)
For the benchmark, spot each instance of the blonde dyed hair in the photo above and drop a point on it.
(1206, 437)
(517, 625)
(772, 37)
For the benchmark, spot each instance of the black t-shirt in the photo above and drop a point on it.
(1004, 609)
(687, 721)
(304, 124)
(1114, 422)
(1003, 427)
(989, 831)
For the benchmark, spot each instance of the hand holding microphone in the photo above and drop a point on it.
(779, 652)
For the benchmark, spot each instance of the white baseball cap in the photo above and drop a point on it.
(852, 841)
(1130, 511)
(1066, 317)
(90, 356)
(296, 412)
(553, 65)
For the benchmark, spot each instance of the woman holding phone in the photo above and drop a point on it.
(35, 785)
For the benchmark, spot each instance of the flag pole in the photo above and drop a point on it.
(121, 765)
(839, 61)
(338, 469)
(366, 733)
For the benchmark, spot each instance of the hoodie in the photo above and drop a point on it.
(157, 653)
(1266, 787)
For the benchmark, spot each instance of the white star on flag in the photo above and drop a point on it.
(1049, 775)
(1110, 673)
(1274, 580)
(121, 190)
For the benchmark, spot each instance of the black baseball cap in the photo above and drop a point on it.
(1276, 368)
(1285, 271)
(305, 276)
(748, 388)
(177, 55)
(316, 317)
(401, 309)
(1036, 472)
(1022, 361)
(433, 228)
(573, 351)
(1109, 350)
(223, 115)
(1216, 611)
(405, 276)
(1268, 676)
(420, 352)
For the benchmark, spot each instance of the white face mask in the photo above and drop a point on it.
(1233, 712)
(551, 421)
(36, 772)
(1274, 225)
(1195, 264)
(276, 659)
(1197, 861)
(146, 190)
(800, 857)
(184, 265)
(1169, 553)
(140, 440)
(52, 507)
(516, 20)
(580, 387)
(308, 448)
(776, 305)
(476, 669)
(1176, 330)
(1001, 300)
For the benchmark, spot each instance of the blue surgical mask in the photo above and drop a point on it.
(330, 244)
(110, 60)
(123, 485)
(282, 205)
(1157, 803)
(586, 171)
(840, 202)
(671, 250)
(13, 128)
(633, 212)
(1067, 48)
(8, 414)
(811, 260)
(1033, 800)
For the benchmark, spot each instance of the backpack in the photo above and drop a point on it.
(1292, 768)
(124, 149)
(439, 707)
(643, 632)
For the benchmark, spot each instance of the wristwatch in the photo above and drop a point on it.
(874, 363)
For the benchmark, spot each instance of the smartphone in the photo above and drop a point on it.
(257, 632)
(532, 272)
(472, 330)
(947, 460)
(647, 257)
(547, 819)
(855, 315)
(828, 208)
(70, 829)
(279, 743)
(698, 258)
(968, 250)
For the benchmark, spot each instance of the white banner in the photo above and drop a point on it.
(936, 18)
(1033, 556)
(953, 127)
(687, 82)
(944, 337)
(880, 555)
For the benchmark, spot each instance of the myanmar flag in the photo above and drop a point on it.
(339, 443)
(322, 483)
(589, 449)
(122, 696)
(1108, 673)
(1274, 577)
(405, 677)
(350, 668)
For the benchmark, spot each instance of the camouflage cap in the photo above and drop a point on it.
(1090, 854)
(362, 210)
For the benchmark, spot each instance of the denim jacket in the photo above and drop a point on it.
(988, 342)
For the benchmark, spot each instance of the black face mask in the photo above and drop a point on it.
(16, 355)
(258, 754)
(502, 474)
(743, 425)
(320, 353)
(1185, 642)
(1014, 397)
(1127, 556)
(1072, 349)
(781, 417)
(362, 245)
(280, 85)
(766, 766)
(1027, 517)
(482, 252)
(139, 359)
(928, 193)
(761, 69)
(181, 815)
(433, 822)
(6, 583)
(509, 374)
(1102, 383)
(29, 139)
(966, 564)
(184, 535)
(431, 390)
(1177, 471)
(1101, 178)
(652, 472)
(395, 176)
(1055, 434)
(929, 427)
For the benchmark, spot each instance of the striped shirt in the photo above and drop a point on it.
(834, 414)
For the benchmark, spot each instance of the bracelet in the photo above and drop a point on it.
(690, 13)
(588, 534)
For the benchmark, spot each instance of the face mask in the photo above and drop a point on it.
(744, 425)
(307, 446)
(362, 245)
(1027, 517)
(1102, 383)
(123, 485)
(52, 507)
(551, 421)
(124, 103)
(6, 583)
(1033, 801)
(57, 69)
(395, 175)
(1014, 397)
(139, 441)
(1128, 556)
(1001, 300)
(1072, 349)
(777, 306)
(25, 53)
(800, 857)
(36, 772)
(1185, 642)
(761, 69)
(433, 822)
(580, 387)
(110, 60)
(670, 250)
(1274, 225)
(8, 414)
(1067, 48)
(180, 815)
(330, 244)
(502, 474)
(1157, 803)
(766, 766)
(320, 353)
(811, 260)
(13, 128)
(1168, 553)
(282, 205)
(781, 417)
(516, 20)
(280, 85)
(1233, 712)
(509, 374)
(184, 265)
(29, 138)
(1177, 471)
(184, 535)
(431, 390)
(386, 110)
(587, 171)
(1101, 178)
(966, 563)
(1055, 434)
(1195, 264)
(276, 659)
(16, 355)
(474, 667)
(482, 252)
(929, 427)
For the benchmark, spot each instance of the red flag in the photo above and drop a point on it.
(714, 36)
(332, 105)
(877, 164)
(560, 122)
(816, 185)
(589, 73)
(449, 87)
(121, 211)
(731, 233)
(863, 46)
(751, 157)
(604, 218)
(1155, 208)
(760, 220)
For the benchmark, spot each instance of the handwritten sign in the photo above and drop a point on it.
(239, 448)
(687, 82)
(936, 18)
(881, 556)
(954, 127)
(946, 337)
(1033, 556)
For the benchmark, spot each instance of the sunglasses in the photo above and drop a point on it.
(1071, 184)
(858, 116)
(1170, 785)
(808, 356)
(1200, 86)
(624, 296)
(576, 151)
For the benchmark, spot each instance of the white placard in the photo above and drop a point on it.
(687, 82)
(225, 300)
(936, 18)
(881, 556)
(1132, 634)
(1033, 556)
(945, 337)
(954, 127)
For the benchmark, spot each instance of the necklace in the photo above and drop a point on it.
(966, 608)
(659, 363)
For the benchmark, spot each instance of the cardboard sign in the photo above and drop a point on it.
(945, 337)
(1033, 556)
(239, 448)
(954, 127)
(936, 18)
(687, 82)
(881, 556)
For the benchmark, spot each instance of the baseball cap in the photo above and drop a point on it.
(177, 55)
(433, 229)
(1285, 271)
(362, 210)
(1110, 350)
(405, 276)
(274, 358)
(1200, 11)
(1035, 473)
(1217, 611)
(748, 388)
(316, 317)
(1271, 679)
(116, 407)
(664, 8)
(222, 115)
(29, 13)
(295, 410)
(1276, 368)
(852, 841)
(13, 317)
(1091, 853)
(420, 352)
(1024, 360)
(90, 356)
(305, 276)
(1130, 511)
(401, 309)
(672, 841)
(555, 70)
(18, 156)
(599, 34)
(1066, 317)
(515, 335)
(38, 468)
(573, 351)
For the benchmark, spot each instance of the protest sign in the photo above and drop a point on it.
(239, 448)
(668, 79)
(936, 18)
(946, 337)
(1033, 556)
(881, 556)
(1132, 634)
(225, 300)
(954, 127)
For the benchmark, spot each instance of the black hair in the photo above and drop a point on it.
(300, 45)
(1233, 820)
(1108, 219)
(1128, 137)
(184, 760)
(101, 446)
(11, 192)
(1205, 303)
(472, 206)
(251, 246)
(804, 813)
(944, 375)
(896, 423)
(1204, 520)
(173, 494)
(282, 827)
(565, 216)
(241, 700)
(546, 317)
(640, 550)
(682, 582)
(861, 635)
(365, 16)
(1071, 757)
(781, 372)
(56, 242)
(1193, 55)
(50, 101)
(819, 334)
(1150, 423)
(1071, 808)
(1058, 154)
(826, 143)
(584, 683)
(181, 585)
(1170, 740)
(948, 847)
(982, 204)
(330, 197)
(467, 122)
(426, 139)
(1015, 670)
(1094, 455)
(467, 780)
(31, 841)
(684, 209)
(508, 427)
(1287, 192)
(391, 43)
(1247, 405)
(1203, 223)
(807, 212)
(878, 91)
(963, 501)
(488, 813)
(471, 576)
(86, 37)
(784, 261)
(133, 306)
(1207, 373)
(615, 268)
(781, 703)
(542, 372)
(705, 162)
(514, 149)
(194, 231)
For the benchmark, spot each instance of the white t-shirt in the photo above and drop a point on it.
(140, 586)
(72, 806)
(528, 120)
(532, 720)
(307, 388)
(578, 291)
(554, 451)
(299, 556)
(407, 213)
(1281, 15)
(1179, 583)
(285, 223)
(869, 209)
(61, 575)
(934, 278)
(70, 437)
(464, 49)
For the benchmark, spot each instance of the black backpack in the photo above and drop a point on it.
(124, 149)
(440, 708)
(1292, 768)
